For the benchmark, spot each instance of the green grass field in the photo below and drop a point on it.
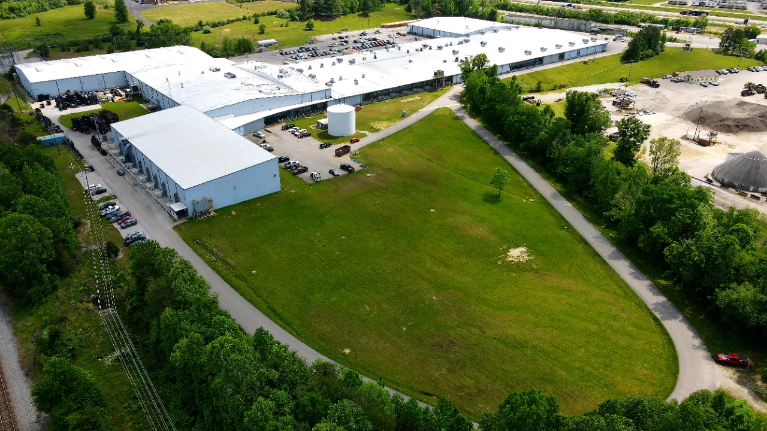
(401, 271)
(58, 25)
(374, 117)
(190, 14)
(124, 111)
(610, 69)
(294, 33)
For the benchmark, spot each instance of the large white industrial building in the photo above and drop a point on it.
(190, 156)
(231, 98)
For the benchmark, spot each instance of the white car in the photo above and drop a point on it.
(316, 176)
(714, 83)
(94, 186)
(259, 135)
(109, 210)
(630, 94)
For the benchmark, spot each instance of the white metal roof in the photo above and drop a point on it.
(189, 146)
(107, 63)
(384, 69)
(457, 24)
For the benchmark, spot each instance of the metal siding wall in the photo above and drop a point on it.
(252, 127)
(71, 84)
(266, 104)
(115, 79)
(92, 83)
(48, 87)
(241, 186)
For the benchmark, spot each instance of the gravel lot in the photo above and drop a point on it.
(17, 382)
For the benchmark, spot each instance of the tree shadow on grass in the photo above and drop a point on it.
(491, 198)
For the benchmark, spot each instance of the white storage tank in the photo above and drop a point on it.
(342, 120)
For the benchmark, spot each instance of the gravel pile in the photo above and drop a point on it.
(730, 116)
(17, 383)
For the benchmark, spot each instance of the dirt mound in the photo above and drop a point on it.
(730, 116)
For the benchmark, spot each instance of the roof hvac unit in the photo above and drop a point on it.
(149, 186)
(129, 165)
(333, 80)
(322, 65)
(158, 193)
(527, 52)
(230, 75)
(134, 171)
(467, 40)
(543, 49)
(121, 159)
(313, 76)
(501, 49)
(340, 78)
(572, 43)
(455, 52)
(593, 39)
(141, 178)
(214, 69)
(300, 70)
(456, 59)
(585, 41)
(340, 60)
(356, 82)
(444, 60)
(439, 47)
(558, 46)
(310, 67)
(483, 43)
(363, 75)
(410, 61)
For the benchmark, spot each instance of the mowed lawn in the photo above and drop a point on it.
(294, 34)
(610, 69)
(400, 271)
(124, 111)
(373, 117)
(58, 25)
(190, 14)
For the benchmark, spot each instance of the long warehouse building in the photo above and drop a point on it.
(248, 96)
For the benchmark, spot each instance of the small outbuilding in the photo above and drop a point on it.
(698, 76)
(747, 172)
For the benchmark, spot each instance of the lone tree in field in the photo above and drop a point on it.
(38, 22)
(262, 29)
(121, 11)
(500, 180)
(309, 26)
(633, 132)
(90, 10)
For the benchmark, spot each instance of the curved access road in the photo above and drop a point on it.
(696, 368)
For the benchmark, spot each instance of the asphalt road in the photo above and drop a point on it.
(696, 368)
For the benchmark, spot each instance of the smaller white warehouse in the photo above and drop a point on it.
(341, 120)
(189, 156)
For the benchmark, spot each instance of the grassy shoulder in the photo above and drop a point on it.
(374, 117)
(124, 110)
(57, 25)
(70, 309)
(403, 271)
(294, 34)
(190, 14)
(703, 318)
(609, 69)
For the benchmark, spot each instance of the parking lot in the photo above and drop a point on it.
(328, 42)
(306, 151)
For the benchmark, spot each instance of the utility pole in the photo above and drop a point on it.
(631, 66)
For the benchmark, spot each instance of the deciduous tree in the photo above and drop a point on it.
(633, 133)
(664, 156)
(90, 9)
(500, 180)
(121, 11)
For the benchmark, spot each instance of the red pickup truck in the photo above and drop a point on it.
(732, 359)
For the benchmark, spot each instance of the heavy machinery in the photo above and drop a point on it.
(759, 88)
(651, 82)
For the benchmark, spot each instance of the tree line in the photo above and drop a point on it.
(213, 376)
(12, 9)
(716, 257)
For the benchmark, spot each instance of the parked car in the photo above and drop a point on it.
(109, 210)
(259, 135)
(325, 145)
(120, 172)
(267, 147)
(733, 70)
(135, 237)
(732, 359)
(299, 170)
(94, 186)
(334, 172)
(107, 204)
(292, 165)
(358, 107)
(714, 83)
(283, 159)
(304, 134)
(703, 84)
(124, 218)
(115, 216)
(347, 167)
(98, 191)
(354, 140)
(316, 177)
(128, 223)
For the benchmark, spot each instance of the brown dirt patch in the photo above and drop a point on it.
(518, 255)
(730, 116)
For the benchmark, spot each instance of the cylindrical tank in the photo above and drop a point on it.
(341, 120)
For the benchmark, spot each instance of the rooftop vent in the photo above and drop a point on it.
(543, 49)
(322, 65)
(300, 70)
(356, 82)
(340, 78)
(214, 69)
(585, 41)
(455, 52)
(483, 43)
(333, 80)
(558, 46)
(410, 61)
(311, 75)
(456, 59)
(528, 52)
(310, 67)
(444, 60)
(340, 60)
(572, 43)
(230, 75)
(501, 49)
